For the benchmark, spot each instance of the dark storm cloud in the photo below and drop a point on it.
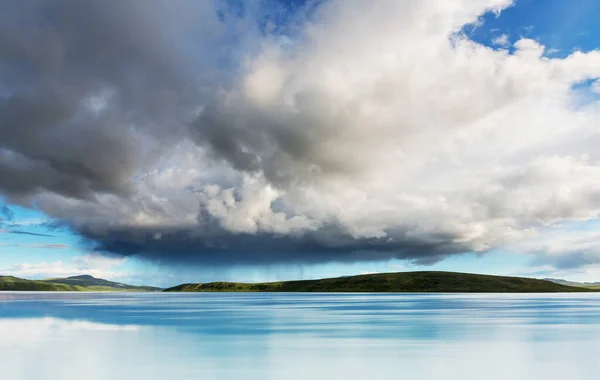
(84, 82)
(45, 147)
(285, 147)
(92, 91)
(220, 247)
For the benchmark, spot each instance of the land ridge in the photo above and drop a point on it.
(590, 285)
(399, 282)
(82, 283)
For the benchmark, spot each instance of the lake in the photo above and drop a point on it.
(298, 336)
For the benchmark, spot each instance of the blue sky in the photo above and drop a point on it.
(32, 246)
(57, 254)
(561, 26)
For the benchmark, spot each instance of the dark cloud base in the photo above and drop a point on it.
(190, 247)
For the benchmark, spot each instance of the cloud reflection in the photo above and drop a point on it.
(259, 336)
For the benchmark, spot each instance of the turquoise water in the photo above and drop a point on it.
(46, 336)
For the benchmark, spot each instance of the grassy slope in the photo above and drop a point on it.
(100, 284)
(393, 282)
(15, 283)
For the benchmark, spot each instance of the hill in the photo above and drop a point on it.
(15, 283)
(589, 285)
(84, 283)
(97, 283)
(431, 282)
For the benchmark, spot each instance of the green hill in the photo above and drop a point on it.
(432, 282)
(589, 285)
(84, 283)
(90, 282)
(15, 283)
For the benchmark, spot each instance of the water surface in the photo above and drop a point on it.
(298, 336)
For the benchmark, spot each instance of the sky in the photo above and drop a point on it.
(157, 143)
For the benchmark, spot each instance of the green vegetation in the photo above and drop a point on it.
(431, 282)
(15, 283)
(70, 284)
(99, 284)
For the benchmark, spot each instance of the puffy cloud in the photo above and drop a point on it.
(564, 250)
(501, 40)
(92, 264)
(358, 132)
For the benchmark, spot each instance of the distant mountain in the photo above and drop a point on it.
(75, 283)
(15, 283)
(432, 282)
(93, 282)
(589, 285)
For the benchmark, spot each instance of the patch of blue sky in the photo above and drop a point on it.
(561, 26)
(26, 234)
(586, 92)
(32, 222)
(579, 226)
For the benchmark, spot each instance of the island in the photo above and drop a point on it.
(405, 282)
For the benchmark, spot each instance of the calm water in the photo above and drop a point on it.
(67, 336)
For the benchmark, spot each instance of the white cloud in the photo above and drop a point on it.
(368, 272)
(50, 246)
(567, 251)
(501, 40)
(94, 261)
(387, 122)
(92, 264)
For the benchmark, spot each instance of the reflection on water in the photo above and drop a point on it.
(298, 336)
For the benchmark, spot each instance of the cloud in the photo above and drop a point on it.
(19, 232)
(349, 132)
(369, 272)
(501, 40)
(37, 245)
(8, 223)
(50, 246)
(94, 261)
(563, 250)
(92, 264)
(596, 86)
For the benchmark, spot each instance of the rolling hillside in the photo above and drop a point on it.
(589, 285)
(84, 283)
(393, 282)
(90, 282)
(15, 283)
